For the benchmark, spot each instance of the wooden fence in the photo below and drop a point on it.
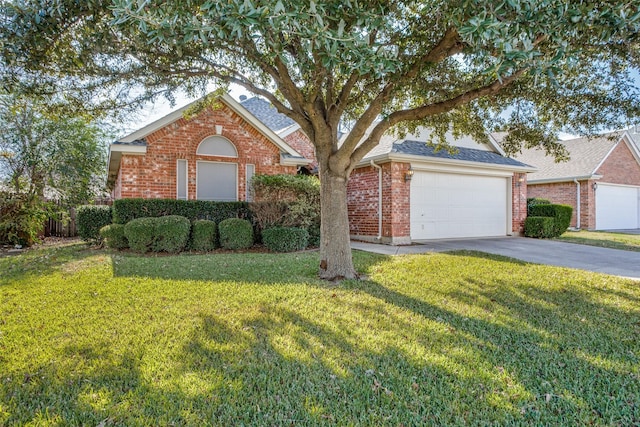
(64, 225)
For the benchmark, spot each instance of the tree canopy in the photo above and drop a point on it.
(532, 68)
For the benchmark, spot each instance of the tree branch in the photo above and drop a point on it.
(429, 110)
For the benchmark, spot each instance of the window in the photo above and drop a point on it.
(251, 170)
(181, 180)
(217, 146)
(217, 181)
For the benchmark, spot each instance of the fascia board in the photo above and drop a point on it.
(434, 160)
(564, 179)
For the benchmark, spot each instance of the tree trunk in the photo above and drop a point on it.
(335, 248)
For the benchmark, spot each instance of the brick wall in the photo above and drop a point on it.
(564, 193)
(298, 141)
(362, 203)
(620, 167)
(518, 202)
(154, 174)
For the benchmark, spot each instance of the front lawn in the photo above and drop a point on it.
(626, 242)
(89, 337)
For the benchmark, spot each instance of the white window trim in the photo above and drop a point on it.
(186, 178)
(247, 190)
(226, 163)
(198, 153)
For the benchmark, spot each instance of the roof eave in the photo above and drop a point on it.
(382, 158)
(295, 161)
(115, 156)
(563, 179)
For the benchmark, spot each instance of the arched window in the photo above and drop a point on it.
(217, 146)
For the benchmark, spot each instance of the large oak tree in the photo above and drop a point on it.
(533, 68)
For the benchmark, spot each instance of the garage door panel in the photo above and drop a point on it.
(617, 207)
(448, 205)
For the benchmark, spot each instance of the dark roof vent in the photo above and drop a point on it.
(243, 98)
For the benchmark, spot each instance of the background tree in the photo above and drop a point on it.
(533, 68)
(46, 154)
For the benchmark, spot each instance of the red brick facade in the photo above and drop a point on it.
(620, 167)
(362, 203)
(299, 142)
(518, 202)
(153, 175)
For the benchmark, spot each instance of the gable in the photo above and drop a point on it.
(620, 166)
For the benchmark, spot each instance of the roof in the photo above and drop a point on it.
(419, 148)
(391, 147)
(267, 114)
(586, 157)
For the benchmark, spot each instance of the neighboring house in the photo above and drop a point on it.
(476, 191)
(211, 156)
(601, 181)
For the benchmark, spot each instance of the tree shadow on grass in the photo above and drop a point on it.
(363, 353)
(40, 262)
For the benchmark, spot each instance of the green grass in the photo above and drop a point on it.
(626, 242)
(89, 337)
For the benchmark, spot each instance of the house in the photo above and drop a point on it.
(211, 156)
(401, 191)
(601, 181)
(406, 190)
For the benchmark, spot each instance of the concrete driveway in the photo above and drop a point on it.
(590, 258)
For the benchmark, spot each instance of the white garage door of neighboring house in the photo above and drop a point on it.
(446, 205)
(217, 181)
(617, 207)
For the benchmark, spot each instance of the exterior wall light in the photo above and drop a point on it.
(595, 186)
(409, 174)
(520, 181)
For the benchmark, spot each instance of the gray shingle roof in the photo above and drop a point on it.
(267, 114)
(585, 157)
(421, 148)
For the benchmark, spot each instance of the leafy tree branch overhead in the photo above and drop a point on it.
(533, 68)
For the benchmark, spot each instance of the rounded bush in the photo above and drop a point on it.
(113, 235)
(541, 227)
(204, 234)
(140, 234)
(90, 219)
(285, 239)
(235, 233)
(171, 233)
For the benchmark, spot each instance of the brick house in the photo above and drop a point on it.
(601, 181)
(403, 190)
(211, 156)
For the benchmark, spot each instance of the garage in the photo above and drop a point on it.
(450, 205)
(617, 207)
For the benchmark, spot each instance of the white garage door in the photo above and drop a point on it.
(445, 205)
(617, 207)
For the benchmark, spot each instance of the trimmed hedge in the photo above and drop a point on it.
(285, 239)
(534, 201)
(171, 233)
(91, 218)
(235, 233)
(560, 213)
(125, 210)
(141, 234)
(541, 227)
(113, 235)
(204, 235)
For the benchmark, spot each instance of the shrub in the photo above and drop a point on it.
(314, 235)
(113, 235)
(204, 234)
(541, 227)
(90, 219)
(286, 201)
(140, 234)
(171, 233)
(235, 233)
(285, 239)
(560, 213)
(534, 201)
(125, 210)
(21, 218)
